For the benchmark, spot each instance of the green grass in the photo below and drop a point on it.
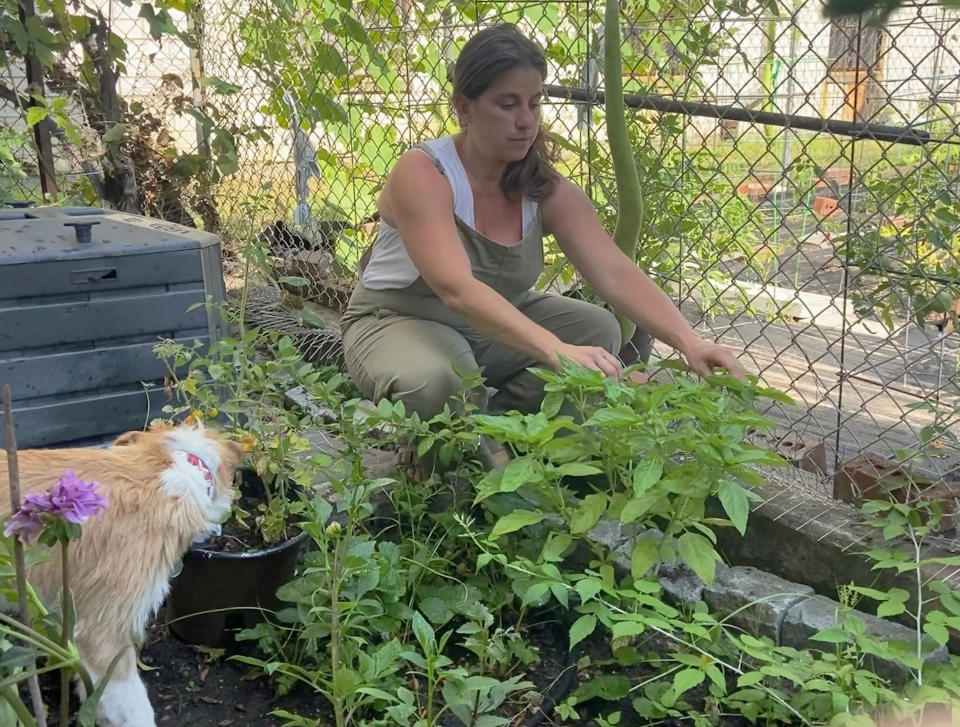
(759, 155)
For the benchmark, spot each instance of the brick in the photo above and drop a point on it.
(310, 264)
(804, 453)
(872, 477)
(332, 293)
(948, 495)
(866, 477)
(825, 206)
(840, 175)
(754, 189)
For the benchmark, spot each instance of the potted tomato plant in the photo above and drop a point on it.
(228, 581)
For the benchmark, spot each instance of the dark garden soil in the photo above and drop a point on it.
(192, 686)
(235, 538)
(200, 687)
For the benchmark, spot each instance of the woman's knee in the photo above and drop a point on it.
(408, 360)
(425, 388)
(601, 328)
(576, 321)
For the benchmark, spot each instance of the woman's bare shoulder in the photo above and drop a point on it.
(414, 178)
(415, 164)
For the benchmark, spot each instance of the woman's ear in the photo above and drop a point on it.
(461, 107)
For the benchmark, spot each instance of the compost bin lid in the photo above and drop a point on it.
(31, 235)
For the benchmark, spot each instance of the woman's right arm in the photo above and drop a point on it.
(420, 201)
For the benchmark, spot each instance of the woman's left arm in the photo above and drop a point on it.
(572, 219)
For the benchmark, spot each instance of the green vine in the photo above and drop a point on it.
(626, 232)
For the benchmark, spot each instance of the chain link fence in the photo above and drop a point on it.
(800, 176)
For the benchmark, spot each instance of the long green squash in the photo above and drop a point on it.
(626, 232)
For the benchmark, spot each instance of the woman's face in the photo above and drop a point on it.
(503, 121)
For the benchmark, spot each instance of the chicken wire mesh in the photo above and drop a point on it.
(820, 238)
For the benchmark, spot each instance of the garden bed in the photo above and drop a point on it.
(191, 686)
(198, 687)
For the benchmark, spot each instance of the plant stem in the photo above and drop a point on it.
(769, 50)
(919, 615)
(431, 686)
(335, 633)
(33, 637)
(244, 292)
(476, 709)
(241, 385)
(17, 678)
(9, 695)
(654, 678)
(483, 654)
(65, 628)
(13, 472)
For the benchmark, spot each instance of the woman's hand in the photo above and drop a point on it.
(591, 357)
(705, 356)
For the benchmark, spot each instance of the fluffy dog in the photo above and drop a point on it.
(166, 488)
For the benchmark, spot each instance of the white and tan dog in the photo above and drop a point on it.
(165, 488)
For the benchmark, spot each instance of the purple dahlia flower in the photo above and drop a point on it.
(71, 499)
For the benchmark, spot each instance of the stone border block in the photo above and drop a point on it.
(805, 619)
(754, 600)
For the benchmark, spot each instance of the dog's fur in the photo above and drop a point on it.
(158, 503)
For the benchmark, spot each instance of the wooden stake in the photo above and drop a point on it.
(13, 470)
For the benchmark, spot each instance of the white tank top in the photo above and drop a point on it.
(389, 266)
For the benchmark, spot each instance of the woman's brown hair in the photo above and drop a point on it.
(485, 56)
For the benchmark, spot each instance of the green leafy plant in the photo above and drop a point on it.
(139, 168)
(241, 381)
(408, 579)
(909, 256)
(656, 453)
(843, 684)
(430, 583)
(14, 168)
(933, 611)
(350, 588)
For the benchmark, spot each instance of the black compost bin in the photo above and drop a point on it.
(85, 295)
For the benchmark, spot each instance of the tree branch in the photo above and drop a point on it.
(8, 94)
(22, 102)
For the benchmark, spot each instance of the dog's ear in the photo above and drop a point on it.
(127, 438)
(238, 450)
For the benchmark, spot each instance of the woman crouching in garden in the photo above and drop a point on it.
(449, 282)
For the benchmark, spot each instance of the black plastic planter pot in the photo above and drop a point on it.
(218, 593)
(227, 590)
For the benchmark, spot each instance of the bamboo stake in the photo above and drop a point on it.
(13, 470)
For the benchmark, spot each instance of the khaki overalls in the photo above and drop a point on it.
(402, 344)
